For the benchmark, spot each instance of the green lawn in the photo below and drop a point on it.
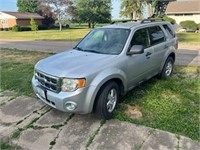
(65, 35)
(189, 38)
(171, 105)
(77, 32)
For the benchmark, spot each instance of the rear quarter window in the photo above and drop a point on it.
(169, 31)
(156, 35)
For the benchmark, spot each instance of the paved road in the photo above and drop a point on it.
(186, 55)
(30, 124)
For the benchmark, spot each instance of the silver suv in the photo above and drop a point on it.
(106, 63)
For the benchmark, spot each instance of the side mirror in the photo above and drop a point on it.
(136, 49)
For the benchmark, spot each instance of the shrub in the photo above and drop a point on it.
(1, 29)
(16, 28)
(198, 26)
(189, 24)
(171, 20)
(25, 28)
(34, 26)
(67, 26)
(42, 27)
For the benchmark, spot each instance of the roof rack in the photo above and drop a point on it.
(152, 20)
(124, 21)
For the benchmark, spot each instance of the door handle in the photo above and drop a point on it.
(166, 46)
(148, 54)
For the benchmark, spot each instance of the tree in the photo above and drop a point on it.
(132, 8)
(47, 13)
(28, 6)
(93, 11)
(34, 26)
(157, 7)
(58, 8)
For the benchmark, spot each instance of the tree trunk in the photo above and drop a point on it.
(149, 10)
(93, 24)
(60, 24)
(134, 15)
(89, 25)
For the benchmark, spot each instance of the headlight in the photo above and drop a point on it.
(72, 84)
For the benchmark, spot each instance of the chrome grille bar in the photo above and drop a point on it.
(47, 81)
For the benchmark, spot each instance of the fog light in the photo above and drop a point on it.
(70, 106)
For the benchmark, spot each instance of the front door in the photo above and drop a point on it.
(139, 66)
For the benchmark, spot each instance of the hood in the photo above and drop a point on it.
(73, 63)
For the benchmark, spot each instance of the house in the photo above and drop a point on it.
(184, 10)
(9, 19)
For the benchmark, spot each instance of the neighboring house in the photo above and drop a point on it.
(184, 10)
(9, 19)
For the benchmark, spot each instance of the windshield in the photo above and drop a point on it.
(104, 41)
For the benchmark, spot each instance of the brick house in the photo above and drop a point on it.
(9, 19)
(184, 10)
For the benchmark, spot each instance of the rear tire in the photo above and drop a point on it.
(167, 68)
(107, 100)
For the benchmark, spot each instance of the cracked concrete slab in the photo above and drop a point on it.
(77, 132)
(18, 108)
(119, 135)
(36, 139)
(6, 132)
(7, 93)
(188, 144)
(53, 117)
(160, 140)
(5, 99)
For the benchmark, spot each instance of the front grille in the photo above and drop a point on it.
(47, 81)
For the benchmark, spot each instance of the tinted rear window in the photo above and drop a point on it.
(169, 31)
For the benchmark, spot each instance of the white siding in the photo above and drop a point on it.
(194, 17)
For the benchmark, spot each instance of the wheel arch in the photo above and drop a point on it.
(120, 86)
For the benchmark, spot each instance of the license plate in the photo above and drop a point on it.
(41, 92)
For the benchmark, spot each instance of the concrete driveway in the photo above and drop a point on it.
(30, 124)
(186, 54)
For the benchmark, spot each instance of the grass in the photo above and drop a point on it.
(65, 35)
(7, 146)
(16, 70)
(171, 105)
(189, 38)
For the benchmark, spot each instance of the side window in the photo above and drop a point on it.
(169, 31)
(140, 37)
(156, 35)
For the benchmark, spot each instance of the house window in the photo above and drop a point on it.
(188, 14)
(178, 14)
(4, 23)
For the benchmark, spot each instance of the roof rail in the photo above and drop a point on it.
(124, 21)
(152, 20)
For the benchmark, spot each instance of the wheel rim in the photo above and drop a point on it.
(112, 100)
(168, 70)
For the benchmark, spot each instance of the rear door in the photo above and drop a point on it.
(159, 44)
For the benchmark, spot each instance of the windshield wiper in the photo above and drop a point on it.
(78, 48)
(93, 51)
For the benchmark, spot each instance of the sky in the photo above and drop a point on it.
(10, 5)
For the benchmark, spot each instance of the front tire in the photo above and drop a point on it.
(167, 69)
(107, 100)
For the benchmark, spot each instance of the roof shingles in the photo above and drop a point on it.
(20, 15)
(183, 7)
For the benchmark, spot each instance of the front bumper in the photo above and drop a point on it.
(82, 98)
